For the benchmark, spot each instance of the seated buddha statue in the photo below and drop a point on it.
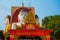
(21, 17)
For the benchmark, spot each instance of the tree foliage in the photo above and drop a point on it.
(52, 22)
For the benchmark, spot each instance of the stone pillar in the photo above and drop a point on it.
(11, 37)
(47, 37)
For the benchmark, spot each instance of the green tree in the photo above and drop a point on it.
(52, 22)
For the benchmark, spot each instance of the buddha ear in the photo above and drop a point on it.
(18, 17)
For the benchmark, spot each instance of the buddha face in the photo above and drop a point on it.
(6, 21)
(22, 15)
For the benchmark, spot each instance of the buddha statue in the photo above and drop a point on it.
(21, 17)
(7, 24)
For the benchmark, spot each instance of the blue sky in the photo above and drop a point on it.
(42, 8)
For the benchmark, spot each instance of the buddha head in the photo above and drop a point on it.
(22, 15)
(7, 20)
(37, 19)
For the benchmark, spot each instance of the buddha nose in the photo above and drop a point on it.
(23, 17)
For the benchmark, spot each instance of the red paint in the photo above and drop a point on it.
(34, 26)
(30, 32)
(11, 38)
(47, 38)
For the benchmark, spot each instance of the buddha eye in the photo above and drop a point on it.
(21, 14)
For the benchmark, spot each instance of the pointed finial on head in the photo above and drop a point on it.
(22, 4)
